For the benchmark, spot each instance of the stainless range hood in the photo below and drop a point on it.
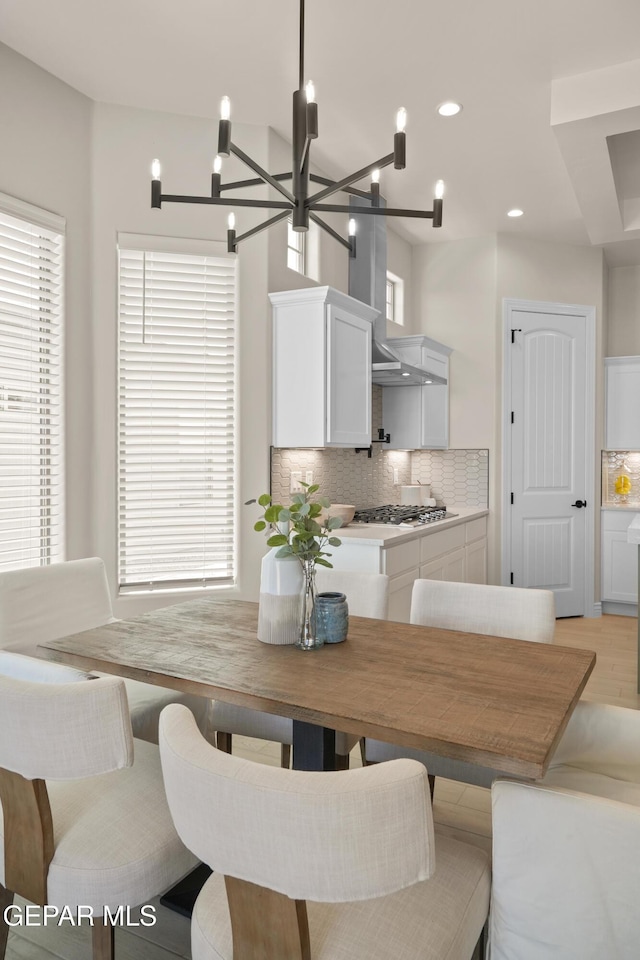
(367, 282)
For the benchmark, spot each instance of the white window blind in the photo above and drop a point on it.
(31, 401)
(177, 399)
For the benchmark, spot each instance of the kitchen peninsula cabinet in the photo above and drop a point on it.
(417, 417)
(619, 558)
(321, 369)
(454, 549)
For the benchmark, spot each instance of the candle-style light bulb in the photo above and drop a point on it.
(375, 176)
(225, 108)
(217, 164)
(352, 238)
(231, 221)
(439, 192)
(352, 227)
(311, 92)
(155, 169)
(401, 120)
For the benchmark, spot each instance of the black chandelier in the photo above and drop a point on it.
(297, 204)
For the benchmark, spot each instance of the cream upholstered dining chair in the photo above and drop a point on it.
(85, 817)
(472, 608)
(39, 604)
(566, 875)
(599, 753)
(367, 596)
(357, 845)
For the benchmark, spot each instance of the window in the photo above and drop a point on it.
(295, 249)
(394, 298)
(31, 402)
(177, 410)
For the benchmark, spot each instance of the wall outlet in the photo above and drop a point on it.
(296, 482)
(308, 476)
(396, 476)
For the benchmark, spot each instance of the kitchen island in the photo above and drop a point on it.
(453, 549)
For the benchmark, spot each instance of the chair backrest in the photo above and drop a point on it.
(478, 608)
(367, 593)
(43, 603)
(332, 837)
(601, 738)
(53, 726)
(566, 875)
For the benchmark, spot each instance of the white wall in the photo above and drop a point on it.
(458, 292)
(125, 140)
(623, 312)
(45, 160)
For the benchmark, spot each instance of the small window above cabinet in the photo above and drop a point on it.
(417, 417)
(321, 369)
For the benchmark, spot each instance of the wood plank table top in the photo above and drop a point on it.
(488, 700)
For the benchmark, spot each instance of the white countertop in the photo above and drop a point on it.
(631, 507)
(385, 534)
(633, 530)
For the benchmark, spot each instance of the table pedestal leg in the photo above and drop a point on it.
(314, 748)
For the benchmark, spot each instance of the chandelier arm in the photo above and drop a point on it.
(231, 202)
(329, 183)
(376, 211)
(262, 226)
(353, 178)
(236, 151)
(254, 182)
(329, 230)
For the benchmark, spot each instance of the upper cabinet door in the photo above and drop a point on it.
(622, 431)
(417, 417)
(348, 378)
(321, 369)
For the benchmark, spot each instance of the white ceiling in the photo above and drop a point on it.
(500, 58)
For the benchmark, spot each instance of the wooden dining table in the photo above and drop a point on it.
(488, 700)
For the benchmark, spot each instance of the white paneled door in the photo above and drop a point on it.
(549, 499)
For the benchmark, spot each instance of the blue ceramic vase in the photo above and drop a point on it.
(332, 617)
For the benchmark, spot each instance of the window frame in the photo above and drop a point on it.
(197, 248)
(396, 284)
(51, 540)
(297, 249)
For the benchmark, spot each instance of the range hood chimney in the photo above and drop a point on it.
(367, 283)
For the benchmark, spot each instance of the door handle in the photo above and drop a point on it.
(579, 504)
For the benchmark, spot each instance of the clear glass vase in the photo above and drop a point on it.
(308, 639)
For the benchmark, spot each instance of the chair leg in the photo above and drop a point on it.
(342, 761)
(285, 755)
(102, 939)
(223, 741)
(6, 899)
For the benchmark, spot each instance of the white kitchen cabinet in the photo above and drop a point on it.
(321, 369)
(619, 558)
(622, 391)
(475, 551)
(417, 417)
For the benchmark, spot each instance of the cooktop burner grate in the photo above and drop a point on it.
(397, 513)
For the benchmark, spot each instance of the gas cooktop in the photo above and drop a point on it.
(402, 515)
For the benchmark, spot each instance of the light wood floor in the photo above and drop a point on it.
(462, 811)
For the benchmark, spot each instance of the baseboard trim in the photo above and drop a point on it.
(597, 610)
(620, 609)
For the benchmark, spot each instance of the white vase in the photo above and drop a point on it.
(281, 583)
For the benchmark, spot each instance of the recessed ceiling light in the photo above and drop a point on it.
(449, 108)
(516, 212)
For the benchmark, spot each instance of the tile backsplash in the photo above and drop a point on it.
(344, 476)
(617, 464)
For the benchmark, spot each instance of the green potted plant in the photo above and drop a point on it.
(302, 530)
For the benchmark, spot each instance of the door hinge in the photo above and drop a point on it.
(511, 499)
(513, 417)
(513, 333)
(512, 579)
